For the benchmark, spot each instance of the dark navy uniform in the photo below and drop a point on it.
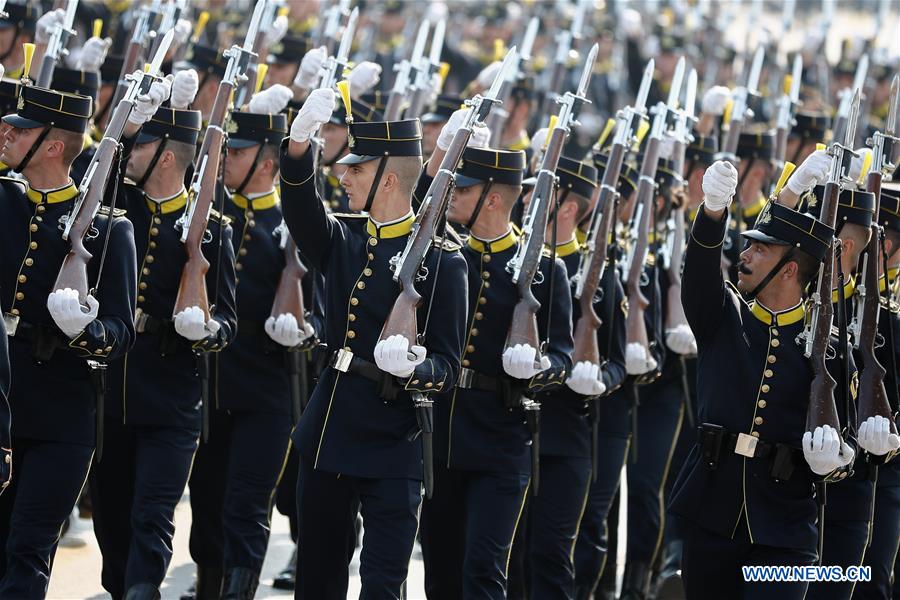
(153, 415)
(482, 442)
(357, 438)
(52, 395)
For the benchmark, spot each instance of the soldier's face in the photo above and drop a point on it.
(357, 181)
(430, 133)
(237, 164)
(756, 262)
(462, 203)
(141, 155)
(16, 143)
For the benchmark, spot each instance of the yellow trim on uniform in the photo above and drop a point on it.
(63, 194)
(755, 208)
(499, 245)
(580, 236)
(393, 229)
(785, 317)
(496, 164)
(523, 143)
(892, 277)
(263, 202)
(849, 288)
(170, 205)
(567, 248)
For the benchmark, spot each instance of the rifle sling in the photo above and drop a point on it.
(843, 349)
(250, 171)
(34, 148)
(109, 222)
(762, 284)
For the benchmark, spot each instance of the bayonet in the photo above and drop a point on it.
(528, 39)
(755, 70)
(675, 88)
(796, 79)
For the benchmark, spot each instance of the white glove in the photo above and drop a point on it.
(637, 360)
(518, 362)
(480, 138)
(856, 163)
(719, 184)
(316, 110)
(448, 131)
(715, 99)
(92, 54)
(308, 74)
(488, 74)
(363, 78)
(631, 23)
(436, 11)
(184, 88)
(681, 340)
(47, 23)
(875, 436)
(538, 140)
(189, 324)
(811, 172)
(286, 332)
(824, 451)
(585, 379)
(67, 312)
(146, 105)
(183, 30)
(277, 30)
(392, 356)
(271, 101)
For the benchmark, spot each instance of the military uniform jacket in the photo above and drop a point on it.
(565, 426)
(156, 383)
(752, 378)
(5, 440)
(889, 358)
(53, 398)
(348, 427)
(475, 430)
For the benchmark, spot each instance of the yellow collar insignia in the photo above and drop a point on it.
(849, 288)
(394, 229)
(785, 317)
(168, 206)
(499, 245)
(570, 247)
(259, 203)
(63, 194)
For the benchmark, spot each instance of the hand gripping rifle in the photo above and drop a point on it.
(73, 272)
(56, 45)
(872, 399)
(402, 318)
(394, 107)
(787, 104)
(497, 119)
(425, 69)
(822, 408)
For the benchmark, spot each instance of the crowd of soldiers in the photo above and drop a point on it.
(447, 272)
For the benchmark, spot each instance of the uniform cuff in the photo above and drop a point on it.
(424, 379)
(707, 232)
(92, 342)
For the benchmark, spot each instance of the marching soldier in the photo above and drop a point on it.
(153, 416)
(357, 438)
(51, 339)
(16, 28)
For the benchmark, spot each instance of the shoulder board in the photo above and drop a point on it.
(13, 180)
(349, 216)
(447, 245)
(116, 212)
(215, 215)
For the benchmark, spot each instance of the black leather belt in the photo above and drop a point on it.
(713, 439)
(43, 339)
(347, 362)
(473, 380)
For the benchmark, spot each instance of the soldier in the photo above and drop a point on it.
(16, 29)
(773, 520)
(357, 437)
(153, 416)
(482, 454)
(433, 121)
(284, 59)
(53, 390)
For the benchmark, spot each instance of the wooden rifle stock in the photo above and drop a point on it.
(732, 138)
(674, 310)
(289, 293)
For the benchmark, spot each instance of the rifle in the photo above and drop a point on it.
(845, 97)
(73, 272)
(739, 107)
(425, 68)
(787, 103)
(56, 45)
(394, 107)
(133, 52)
(192, 287)
(822, 408)
(872, 399)
(564, 41)
(497, 119)
(271, 11)
(327, 35)
(169, 18)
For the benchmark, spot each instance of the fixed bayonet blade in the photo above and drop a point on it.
(675, 87)
(862, 69)
(755, 70)
(587, 71)
(787, 15)
(437, 42)
(510, 62)
(156, 63)
(796, 79)
(530, 36)
(69, 20)
(852, 119)
(640, 103)
(890, 124)
(421, 38)
(253, 29)
(347, 36)
(578, 19)
(690, 94)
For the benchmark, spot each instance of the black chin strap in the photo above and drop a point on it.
(382, 163)
(480, 204)
(762, 284)
(250, 171)
(34, 148)
(560, 200)
(156, 156)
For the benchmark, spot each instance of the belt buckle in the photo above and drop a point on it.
(465, 378)
(140, 321)
(342, 360)
(746, 445)
(11, 322)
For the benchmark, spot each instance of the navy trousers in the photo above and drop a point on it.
(882, 552)
(134, 491)
(467, 532)
(47, 478)
(845, 545)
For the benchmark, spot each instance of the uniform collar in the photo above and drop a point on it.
(785, 317)
(892, 277)
(167, 205)
(63, 194)
(392, 229)
(522, 143)
(504, 242)
(849, 288)
(567, 248)
(580, 236)
(261, 202)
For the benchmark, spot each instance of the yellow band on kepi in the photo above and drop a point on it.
(98, 27)
(28, 49)
(343, 87)
(261, 71)
(785, 174)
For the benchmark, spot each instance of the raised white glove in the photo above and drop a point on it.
(585, 379)
(856, 163)
(637, 360)
(518, 362)
(47, 23)
(183, 30)
(681, 340)
(363, 78)
(715, 99)
(67, 312)
(272, 100)
(146, 105)
(184, 88)
(824, 451)
(277, 30)
(92, 54)
(480, 138)
(190, 324)
(392, 356)
(436, 11)
(308, 74)
(448, 131)
(488, 74)
(719, 184)
(316, 110)
(538, 141)
(631, 23)
(875, 436)
(811, 172)
(286, 332)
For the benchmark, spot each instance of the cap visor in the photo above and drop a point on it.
(463, 181)
(355, 159)
(145, 138)
(21, 122)
(238, 143)
(432, 118)
(759, 236)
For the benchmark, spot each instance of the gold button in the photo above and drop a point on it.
(39, 219)
(7, 459)
(351, 334)
(33, 227)
(429, 384)
(470, 348)
(142, 285)
(108, 348)
(145, 271)
(249, 214)
(149, 259)
(152, 245)
(486, 258)
(157, 220)
(82, 344)
(486, 284)
(482, 300)
(22, 279)
(238, 266)
(479, 316)
(754, 434)
(371, 256)
(775, 343)
(415, 382)
(373, 242)
(765, 388)
(474, 332)
(774, 331)
(351, 317)
(361, 285)
(768, 373)
(20, 296)
(485, 275)
(354, 301)
(141, 298)
(154, 231)
(465, 363)
(758, 420)
(367, 271)
(242, 252)
(247, 237)
(29, 262)
(771, 359)
(761, 404)
(98, 351)
(15, 311)
(41, 208)
(33, 245)
(237, 280)
(251, 223)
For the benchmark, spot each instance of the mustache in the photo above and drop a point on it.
(742, 268)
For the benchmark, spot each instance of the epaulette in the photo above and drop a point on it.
(116, 212)
(216, 215)
(447, 245)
